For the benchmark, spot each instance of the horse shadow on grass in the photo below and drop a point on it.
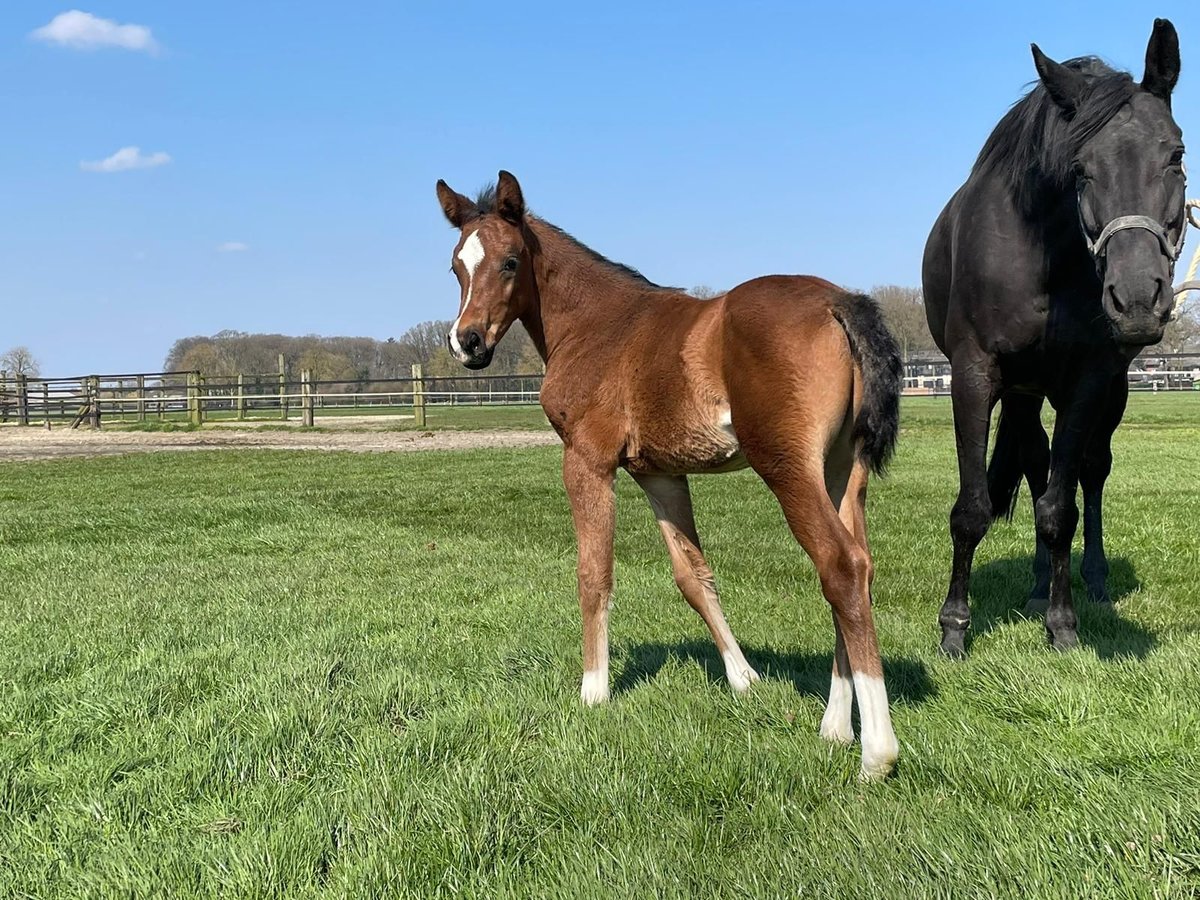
(1000, 588)
(907, 680)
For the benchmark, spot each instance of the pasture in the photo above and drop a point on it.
(267, 674)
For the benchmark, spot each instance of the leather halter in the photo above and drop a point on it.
(1099, 246)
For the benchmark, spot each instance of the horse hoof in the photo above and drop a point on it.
(879, 766)
(1100, 598)
(837, 733)
(954, 644)
(1036, 606)
(740, 680)
(1064, 640)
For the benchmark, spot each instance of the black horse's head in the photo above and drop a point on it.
(1129, 180)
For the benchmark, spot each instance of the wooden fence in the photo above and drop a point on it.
(196, 397)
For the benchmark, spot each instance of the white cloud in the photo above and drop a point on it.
(232, 247)
(83, 31)
(125, 159)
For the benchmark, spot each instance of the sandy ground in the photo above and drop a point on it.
(62, 443)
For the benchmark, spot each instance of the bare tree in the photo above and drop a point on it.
(1182, 334)
(904, 311)
(704, 292)
(20, 361)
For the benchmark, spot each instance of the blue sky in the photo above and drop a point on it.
(703, 143)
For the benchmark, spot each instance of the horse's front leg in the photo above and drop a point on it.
(1097, 463)
(593, 509)
(1056, 510)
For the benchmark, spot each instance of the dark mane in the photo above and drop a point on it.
(1034, 146)
(485, 202)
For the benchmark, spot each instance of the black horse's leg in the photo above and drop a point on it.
(1097, 463)
(1024, 411)
(974, 387)
(1035, 459)
(1057, 512)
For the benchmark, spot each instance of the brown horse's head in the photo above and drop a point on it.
(491, 262)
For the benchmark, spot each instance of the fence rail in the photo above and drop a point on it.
(195, 397)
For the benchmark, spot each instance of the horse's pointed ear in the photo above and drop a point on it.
(458, 209)
(510, 203)
(1065, 86)
(1162, 61)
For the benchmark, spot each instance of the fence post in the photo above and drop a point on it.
(283, 410)
(241, 398)
(94, 391)
(141, 398)
(23, 399)
(418, 396)
(193, 397)
(46, 402)
(306, 399)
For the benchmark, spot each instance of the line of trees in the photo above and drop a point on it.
(357, 359)
(349, 359)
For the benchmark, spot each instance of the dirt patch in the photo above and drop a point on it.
(36, 443)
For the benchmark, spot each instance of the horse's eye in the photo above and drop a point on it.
(510, 265)
(1080, 172)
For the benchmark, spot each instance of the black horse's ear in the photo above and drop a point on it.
(1162, 61)
(1065, 86)
(458, 209)
(510, 203)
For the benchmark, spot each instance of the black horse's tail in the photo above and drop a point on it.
(1005, 469)
(875, 351)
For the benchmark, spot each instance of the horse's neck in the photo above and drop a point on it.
(576, 295)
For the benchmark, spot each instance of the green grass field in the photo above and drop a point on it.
(268, 674)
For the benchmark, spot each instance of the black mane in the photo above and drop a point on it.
(1034, 146)
(485, 202)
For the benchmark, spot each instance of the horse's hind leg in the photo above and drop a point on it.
(973, 393)
(1024, 413)
(844, 567)
(672, 504)
(851, 498)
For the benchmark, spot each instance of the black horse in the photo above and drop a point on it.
(1044, 276)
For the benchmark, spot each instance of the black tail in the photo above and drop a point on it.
(876, 353)
(1005, 469)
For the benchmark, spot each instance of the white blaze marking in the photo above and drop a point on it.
(835, 725)
(879, 747)
(471, 255)
(595, 686)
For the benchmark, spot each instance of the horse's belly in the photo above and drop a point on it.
(708, 447)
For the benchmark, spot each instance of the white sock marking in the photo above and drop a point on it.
(595, 687)
(879, 747)
(738, 671)
(471, 255)
(835, 724)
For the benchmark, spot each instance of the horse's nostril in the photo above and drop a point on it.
(473, 341)
(1118, 306)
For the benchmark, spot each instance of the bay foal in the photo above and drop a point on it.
(791, 376)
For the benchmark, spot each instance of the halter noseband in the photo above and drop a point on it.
(1099, 246)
